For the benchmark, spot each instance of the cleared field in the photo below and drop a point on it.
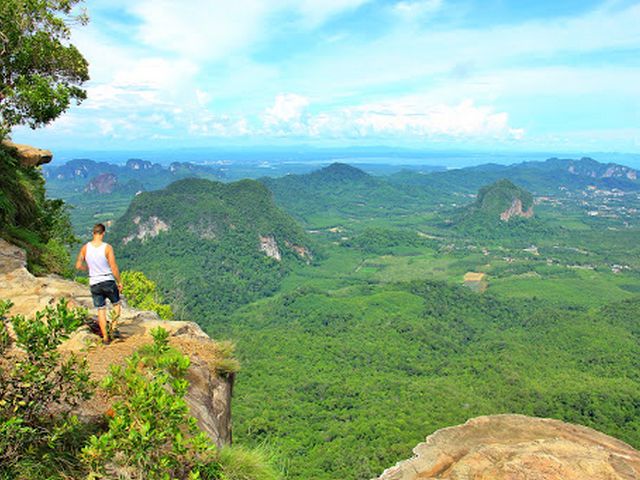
(588, 288)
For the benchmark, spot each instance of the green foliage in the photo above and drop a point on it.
(345, 375)
(542, 178)
(382, 241)
(40, 73)
(226, 362)
(28, 218)
(518, 232)
(143, 293)
(38, 388)
(241, 463)
(150, 434)
(347, 382)
(481, 220)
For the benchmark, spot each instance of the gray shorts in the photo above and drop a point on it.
(103, 290)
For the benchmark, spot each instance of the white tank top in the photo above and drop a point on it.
(99, 269)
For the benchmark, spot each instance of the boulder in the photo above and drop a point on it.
(29, 156)
(516, 447)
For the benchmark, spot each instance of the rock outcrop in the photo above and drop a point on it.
(209, 395)
(269, 246)
(515, 447)
(30, 156)
(516, 211)
(149, 228)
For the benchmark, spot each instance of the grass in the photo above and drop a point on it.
(257, 463)
(395, 269)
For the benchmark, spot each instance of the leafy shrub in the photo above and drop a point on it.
(150, 435)
(38, 388)
(143, 293)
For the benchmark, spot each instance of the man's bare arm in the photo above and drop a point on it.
(111, 258)
(80, 263)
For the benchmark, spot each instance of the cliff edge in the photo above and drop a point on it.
(209, 395)
(515, 447)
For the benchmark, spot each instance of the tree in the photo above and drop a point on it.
(143, 293)
(29, 219)
(40, 71)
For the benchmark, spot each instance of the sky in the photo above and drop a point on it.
(545, 75)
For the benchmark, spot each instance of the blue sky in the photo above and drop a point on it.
(498, 74)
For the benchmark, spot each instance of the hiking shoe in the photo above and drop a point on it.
(106, 342)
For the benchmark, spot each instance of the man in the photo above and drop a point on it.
(104, 277)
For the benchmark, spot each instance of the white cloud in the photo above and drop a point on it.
(106, 127)
(208, 125)
(400, 118)
(288, 113)
(157, 73)
(437, 56)
(214, 30)
(203, 97)
(415, 10)
(208, 67)
(206, 30)
(314, 13)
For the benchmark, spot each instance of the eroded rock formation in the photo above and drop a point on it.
(149, 228)
(515, 447)
(269, 246)
(30, 156)
(209, 395)
(516, 211)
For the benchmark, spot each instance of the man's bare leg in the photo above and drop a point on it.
(115, 316)
(102, 322)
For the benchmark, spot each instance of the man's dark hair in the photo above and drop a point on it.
(99, 228)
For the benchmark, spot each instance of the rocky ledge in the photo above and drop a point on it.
(29, 156)
(515, 447)
(209, 395)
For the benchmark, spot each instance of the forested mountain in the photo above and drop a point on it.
(101, 191)
(500, 197)
(538, 177)
(77, 174)
(340, 190)
(345, 191)
(502, 211)
(209, 245)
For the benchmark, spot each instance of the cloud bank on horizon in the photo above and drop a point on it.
(545, 75)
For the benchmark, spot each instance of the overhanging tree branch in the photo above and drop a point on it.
(41, 73)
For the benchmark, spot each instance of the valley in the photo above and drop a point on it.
(415, 307)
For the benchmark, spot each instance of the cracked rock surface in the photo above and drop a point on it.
(516, 447)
